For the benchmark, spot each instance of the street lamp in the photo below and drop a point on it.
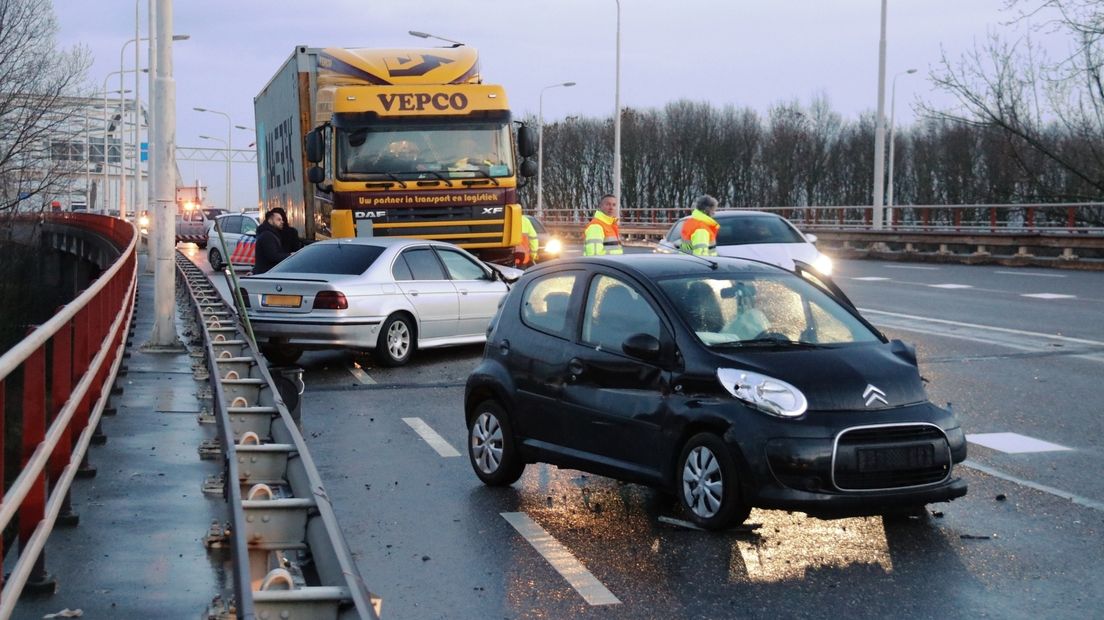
(617, 117)
(540, 147)
(105, 149)
(892, 109)
(426, 35)
(229, 128)
(879, 129)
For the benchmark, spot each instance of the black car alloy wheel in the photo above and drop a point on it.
(708, 486)
(491, 446)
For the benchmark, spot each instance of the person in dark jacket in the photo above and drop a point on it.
(270, 248)
(289, 237)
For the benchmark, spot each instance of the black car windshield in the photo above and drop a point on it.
(749, 229)
(330, 258)
(758, 309)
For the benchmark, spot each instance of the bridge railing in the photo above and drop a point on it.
(1085, 218)
(63, 371)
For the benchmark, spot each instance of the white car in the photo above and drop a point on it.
(390, 296)
(759, 236)
(234, 226)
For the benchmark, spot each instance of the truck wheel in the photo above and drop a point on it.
(281, 355)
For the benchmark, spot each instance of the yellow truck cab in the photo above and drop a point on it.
(393, 142)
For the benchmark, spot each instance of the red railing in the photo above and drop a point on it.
(67, 366)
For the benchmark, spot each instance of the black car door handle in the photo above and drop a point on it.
(504, 347)
(575, 368)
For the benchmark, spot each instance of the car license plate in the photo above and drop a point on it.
(281, 301)
(889, 459)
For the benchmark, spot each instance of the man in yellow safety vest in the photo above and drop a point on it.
(699, 231)
(525, 252)
(601, 236)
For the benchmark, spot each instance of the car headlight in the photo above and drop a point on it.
(554, 246)
(766, 394)
(143, 222)
(823, 264)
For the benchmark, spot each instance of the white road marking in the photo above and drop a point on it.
(1073, 497)
(912, 267)
(1049, 296)
(562, 560)
(870, 279)
(1028, 273)
(950, 286)
(999, 336)
(1013, 443)
(430, 436)
(360, 375)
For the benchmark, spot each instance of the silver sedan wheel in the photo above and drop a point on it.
(486, 442)
(398, 340)
(702, 482)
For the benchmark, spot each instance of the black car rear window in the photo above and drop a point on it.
(751, 229)
(331, 258)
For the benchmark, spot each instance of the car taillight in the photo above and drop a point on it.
(330, 300)
(244, 296)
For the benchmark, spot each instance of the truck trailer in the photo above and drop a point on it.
(392, 142)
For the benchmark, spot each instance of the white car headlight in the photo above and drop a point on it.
(766, 394)
(823, 264)
(143, 222)
(554, 246)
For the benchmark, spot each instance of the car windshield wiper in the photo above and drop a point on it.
(478, 171)
(768, 342)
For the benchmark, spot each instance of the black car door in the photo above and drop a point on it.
(616, 403)
(537, 351)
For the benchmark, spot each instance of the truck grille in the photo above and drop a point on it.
(890, 457)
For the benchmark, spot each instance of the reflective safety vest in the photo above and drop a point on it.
(699, 234)
(528, 245)
(601, 236)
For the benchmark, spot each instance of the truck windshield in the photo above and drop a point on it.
(424, 150)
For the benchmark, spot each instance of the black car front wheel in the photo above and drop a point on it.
(708, 485)
(214, 257)
(491, 448)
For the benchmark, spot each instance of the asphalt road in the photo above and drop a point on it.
(1026, 541)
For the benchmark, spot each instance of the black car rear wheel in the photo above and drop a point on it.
(491, 448)
(708, 485)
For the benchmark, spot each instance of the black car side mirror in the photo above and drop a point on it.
(642, 346)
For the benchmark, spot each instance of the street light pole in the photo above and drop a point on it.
(229, 128)
(892, 127)
(163, 165)
(617, 117)
(105, 157)
(879, 129)
(540, 147)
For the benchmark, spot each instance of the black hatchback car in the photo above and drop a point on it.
(732, 383)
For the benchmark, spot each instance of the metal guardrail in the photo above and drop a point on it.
(1018, 218)
(67, 365)
(289, 556)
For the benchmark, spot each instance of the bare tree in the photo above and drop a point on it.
(36, 80)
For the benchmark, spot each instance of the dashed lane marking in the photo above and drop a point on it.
(430, 436)
(360, 375)
(870, 279)
(1013, 443)
(1080, 500)
(916, 267)
(1031, 274)
(562, 560)
(1049, 296)
(949, 286)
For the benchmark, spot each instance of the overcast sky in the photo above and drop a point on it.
(742, 52)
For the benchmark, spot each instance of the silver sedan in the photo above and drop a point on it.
(390, 296)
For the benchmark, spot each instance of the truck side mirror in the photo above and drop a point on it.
(528, 168)
(527, 141)
(315, 174)
(316, 149)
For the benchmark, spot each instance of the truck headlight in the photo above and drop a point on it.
(554, 247)
(143, 222)
(823, 264)
(766, 394)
